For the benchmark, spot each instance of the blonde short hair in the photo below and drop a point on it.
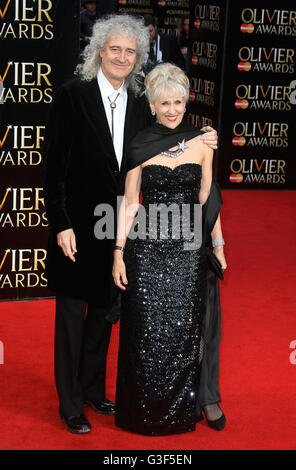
(165, 78)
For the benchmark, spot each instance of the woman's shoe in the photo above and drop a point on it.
(217, 424)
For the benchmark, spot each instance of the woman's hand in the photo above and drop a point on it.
(219, 252)
(118, 271)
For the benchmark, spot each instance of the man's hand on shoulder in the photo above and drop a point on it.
(67, 241)
(210, 138)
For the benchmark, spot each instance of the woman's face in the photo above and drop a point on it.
(169, 109)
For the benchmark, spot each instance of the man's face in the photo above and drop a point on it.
(186, 26)
(118, 57)
(91, 6)
(152, 32)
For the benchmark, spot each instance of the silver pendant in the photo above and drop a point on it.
(112, 103)
(176, 153)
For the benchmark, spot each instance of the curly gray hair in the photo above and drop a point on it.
(123, 24)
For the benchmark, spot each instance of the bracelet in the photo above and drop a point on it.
(117, 247)
(218, 242)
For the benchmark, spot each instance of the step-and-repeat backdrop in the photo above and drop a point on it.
(207, 25)
(242, 82)
(258, 131)
(39, 49)
(167, 13)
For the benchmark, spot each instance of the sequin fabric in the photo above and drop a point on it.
(160, 324)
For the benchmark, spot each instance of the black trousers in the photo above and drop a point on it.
(82, 336)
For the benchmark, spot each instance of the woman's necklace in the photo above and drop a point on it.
(176, 153)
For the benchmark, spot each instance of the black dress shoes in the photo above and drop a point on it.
(104, 407)
(76, 424)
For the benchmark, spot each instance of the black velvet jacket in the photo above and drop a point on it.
(80, 172)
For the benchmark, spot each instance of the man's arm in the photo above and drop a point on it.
(58, 142)
(57, 145)
(210, 138)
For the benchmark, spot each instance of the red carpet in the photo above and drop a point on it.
(258, 381)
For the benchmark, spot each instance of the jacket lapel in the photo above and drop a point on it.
(128, 128)
(97, 115)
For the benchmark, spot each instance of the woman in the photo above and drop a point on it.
(160, 270)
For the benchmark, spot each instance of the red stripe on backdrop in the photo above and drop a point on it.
(258, 381)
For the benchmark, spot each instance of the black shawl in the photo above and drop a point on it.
(156, 139)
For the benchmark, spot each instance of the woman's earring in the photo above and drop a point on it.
(153, 113)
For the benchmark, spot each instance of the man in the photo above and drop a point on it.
(163, 47)
(92, 121)
(88, 17)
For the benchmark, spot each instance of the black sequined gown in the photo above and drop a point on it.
(160, 323)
